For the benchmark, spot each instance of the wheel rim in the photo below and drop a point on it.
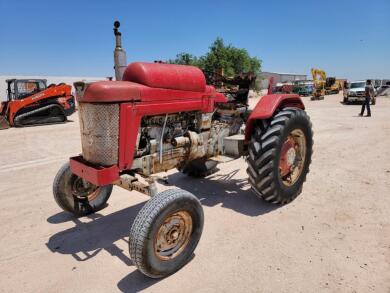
(84, 190)
(292, 158)
(173, 235)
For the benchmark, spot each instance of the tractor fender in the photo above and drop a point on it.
(267, 106)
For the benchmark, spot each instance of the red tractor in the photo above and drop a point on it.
(164, 116)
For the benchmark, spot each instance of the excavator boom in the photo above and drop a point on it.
(324, 85)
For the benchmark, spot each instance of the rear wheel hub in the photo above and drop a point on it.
(292, 157)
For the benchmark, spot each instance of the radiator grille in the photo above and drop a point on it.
(99, 127)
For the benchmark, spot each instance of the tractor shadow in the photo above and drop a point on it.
(232, 193)
(86, 239)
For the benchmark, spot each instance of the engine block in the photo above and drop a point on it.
(169, 141)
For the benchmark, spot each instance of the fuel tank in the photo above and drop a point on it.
(167, 76)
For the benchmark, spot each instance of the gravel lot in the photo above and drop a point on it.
(335, 237)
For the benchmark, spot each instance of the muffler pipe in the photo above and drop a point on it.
(120, 59)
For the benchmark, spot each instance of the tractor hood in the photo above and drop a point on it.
(148, 82)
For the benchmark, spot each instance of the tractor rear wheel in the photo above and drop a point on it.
(279, 155)
(166, 232)
(77, 196)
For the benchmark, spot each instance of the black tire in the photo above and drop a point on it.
(145, 229)
(199, 168)
(89, 201)
(265, 152)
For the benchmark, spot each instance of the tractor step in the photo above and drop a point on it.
(234, 145)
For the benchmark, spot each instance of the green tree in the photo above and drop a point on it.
(230, 59)
(184, 59)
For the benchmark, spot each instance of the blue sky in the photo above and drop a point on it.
(74, 38)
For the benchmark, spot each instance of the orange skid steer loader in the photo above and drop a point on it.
(30, 102)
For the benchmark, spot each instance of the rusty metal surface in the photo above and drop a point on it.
(83, 189)
(180, 141)
(132, 183)
(196, 149)
(150, 164)
(99, 127)
(204, 120)
(292, 157)
(173, 235)
(171, 159)
(286, 155)
(183, 149)
(236, 87)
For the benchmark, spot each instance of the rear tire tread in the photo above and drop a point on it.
(263, 155)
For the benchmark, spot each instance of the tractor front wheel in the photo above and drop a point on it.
(279, 156)
(77, 196)
(166, 232)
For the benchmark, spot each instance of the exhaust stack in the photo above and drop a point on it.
(120, 60)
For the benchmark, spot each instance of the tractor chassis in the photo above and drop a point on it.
(235, 147)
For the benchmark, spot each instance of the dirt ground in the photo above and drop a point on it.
(335, 237)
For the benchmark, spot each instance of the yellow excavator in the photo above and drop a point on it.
(323, 85)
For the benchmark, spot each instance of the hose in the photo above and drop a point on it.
(162, 137)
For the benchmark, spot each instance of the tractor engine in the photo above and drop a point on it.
(168, 141)
(163, 141)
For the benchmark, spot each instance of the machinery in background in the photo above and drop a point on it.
(304, 88)
(324, 85)
(31, 101)
(319, 79)
(234, 88)
(279, 88)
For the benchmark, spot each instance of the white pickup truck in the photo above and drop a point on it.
(355, 92)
